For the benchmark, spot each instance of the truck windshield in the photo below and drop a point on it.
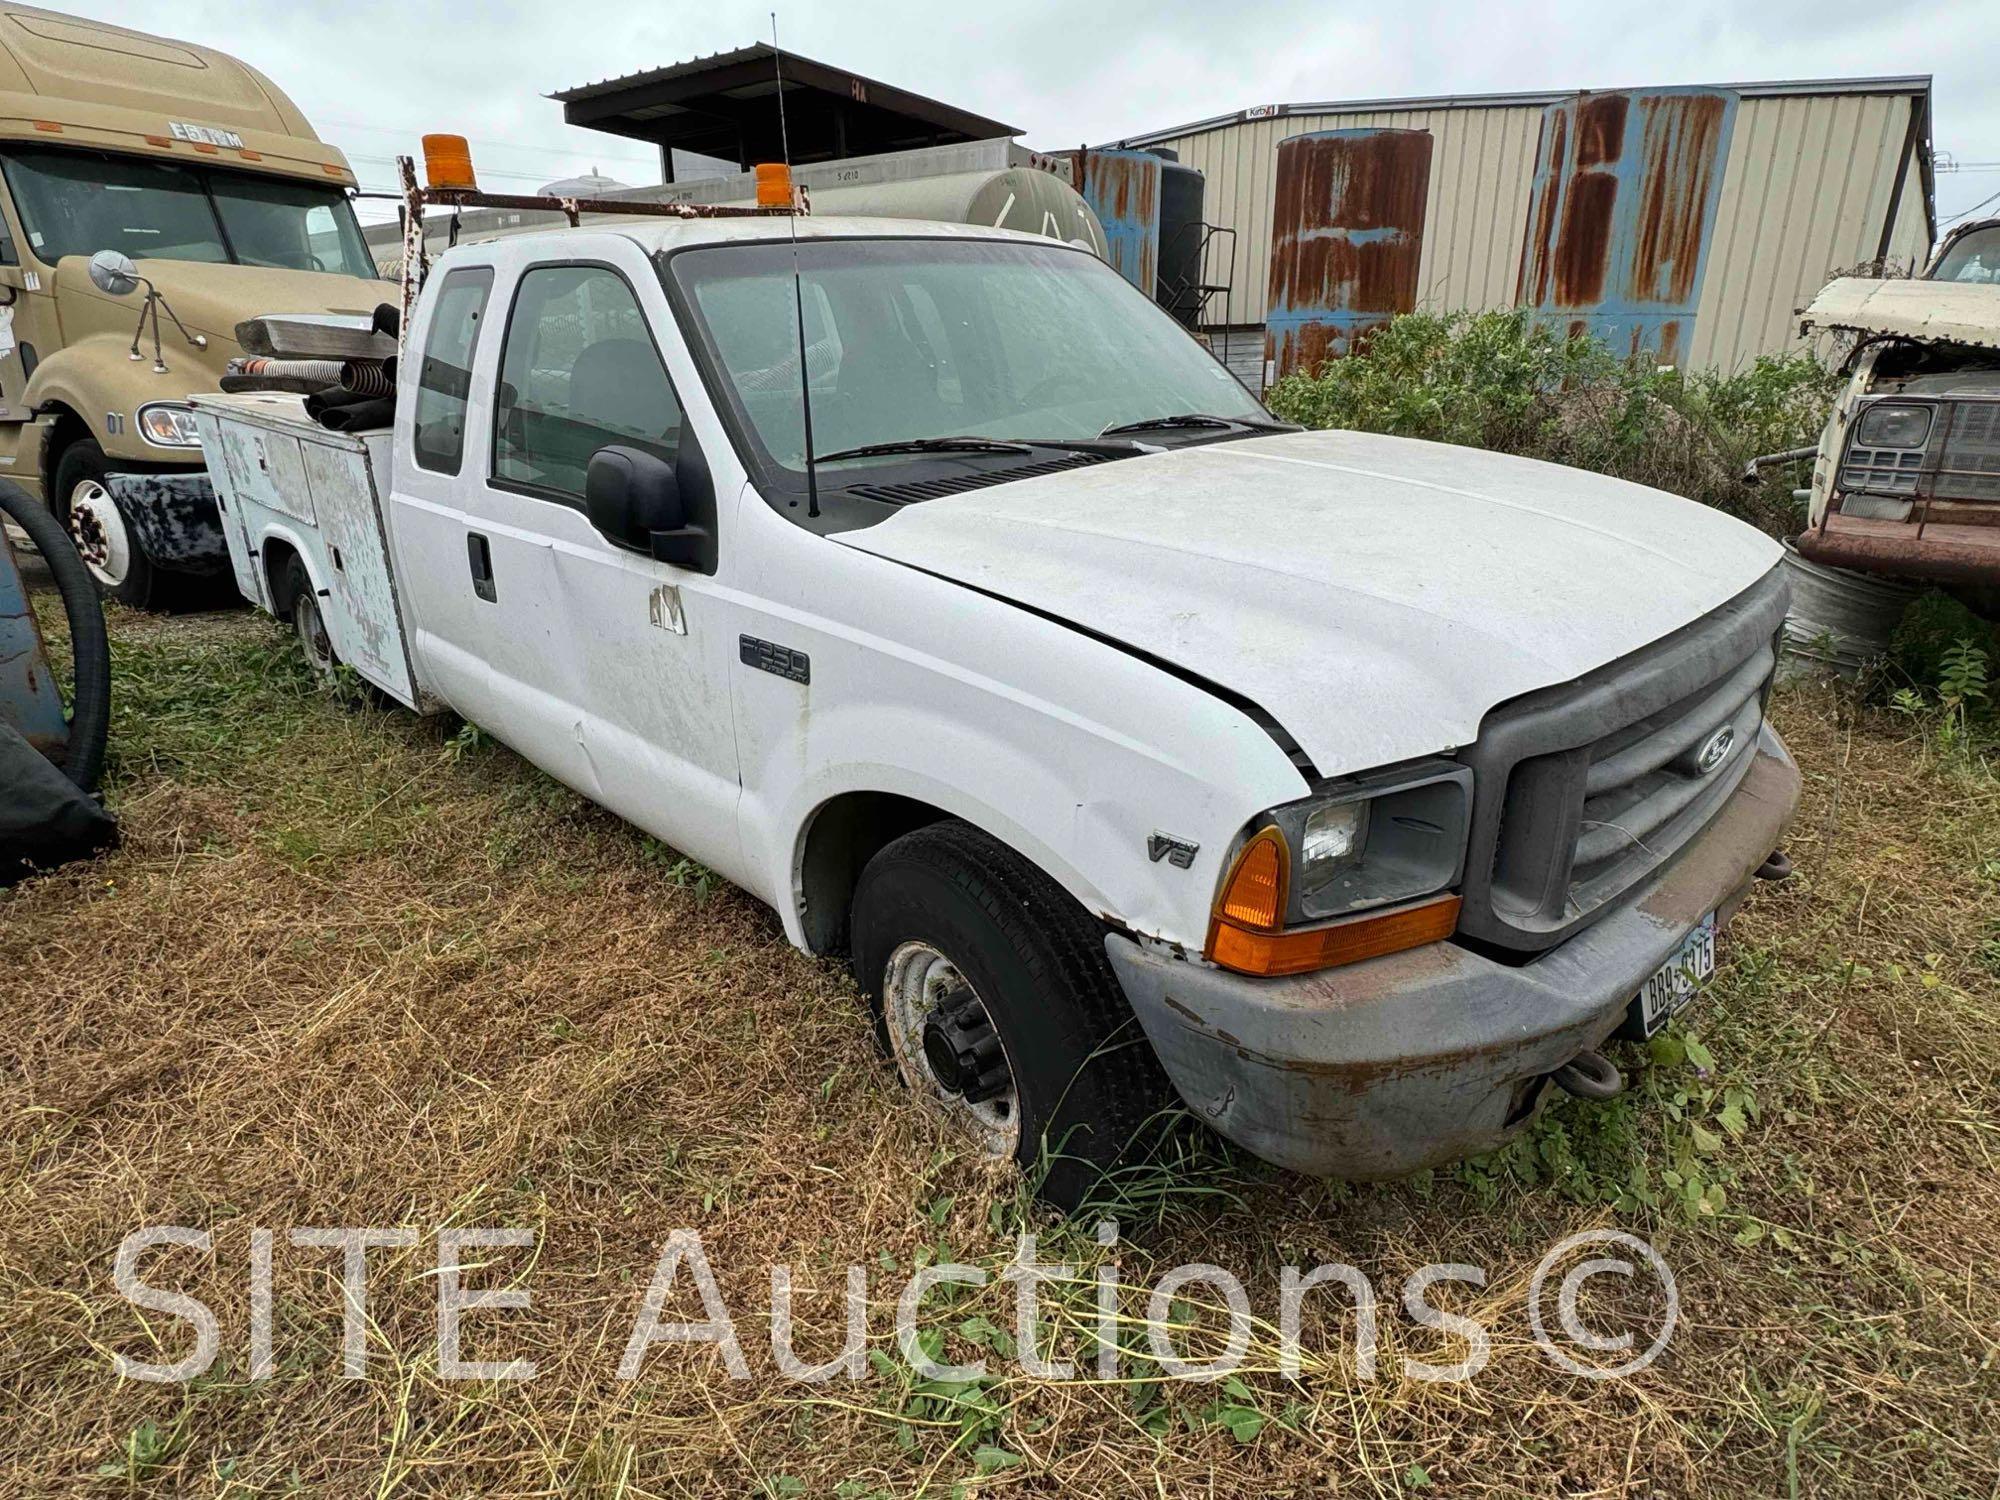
(1973, 257)
(79, 202)
(908, 339)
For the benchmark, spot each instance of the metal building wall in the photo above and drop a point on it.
(1805, 193)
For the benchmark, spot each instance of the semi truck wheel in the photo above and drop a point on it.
(994, 999)
(95, 522)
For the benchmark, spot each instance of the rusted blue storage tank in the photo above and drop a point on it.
(1347, 236)
(1123, 190)
(1621, 213)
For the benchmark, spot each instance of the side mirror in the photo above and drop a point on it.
(634, 498)
(112, 273)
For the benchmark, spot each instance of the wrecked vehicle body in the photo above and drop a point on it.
(1906, 480)
(1362, 787)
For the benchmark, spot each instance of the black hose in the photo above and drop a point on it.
(90, 703)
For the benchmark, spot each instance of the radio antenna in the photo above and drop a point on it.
(798, 291)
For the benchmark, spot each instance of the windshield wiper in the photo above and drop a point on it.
(927, 445)
(1196, 419)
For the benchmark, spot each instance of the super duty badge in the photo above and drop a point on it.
(768, 656)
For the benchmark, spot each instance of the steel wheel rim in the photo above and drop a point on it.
(99, 531)
(913, 981)
(311, 628)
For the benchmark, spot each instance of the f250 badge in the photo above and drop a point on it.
(1177, 852)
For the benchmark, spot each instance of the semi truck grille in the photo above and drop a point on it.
(1582, 790)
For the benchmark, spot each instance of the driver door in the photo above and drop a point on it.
(604, 667)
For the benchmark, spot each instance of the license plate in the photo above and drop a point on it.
(1675, 982)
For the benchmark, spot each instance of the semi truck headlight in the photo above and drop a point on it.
(166, 424)
(1894, 424)
(1361, 869)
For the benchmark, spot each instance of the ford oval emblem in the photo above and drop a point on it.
(1716, 750)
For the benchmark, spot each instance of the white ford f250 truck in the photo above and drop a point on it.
(1365, 787)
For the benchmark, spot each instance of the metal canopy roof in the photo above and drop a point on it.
(726, 105)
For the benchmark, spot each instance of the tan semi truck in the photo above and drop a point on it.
(201, 172)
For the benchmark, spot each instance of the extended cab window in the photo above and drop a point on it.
(445, 379)
(578, 372)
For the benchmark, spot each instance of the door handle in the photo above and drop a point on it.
(480, 555)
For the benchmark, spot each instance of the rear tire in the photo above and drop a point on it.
(948, 912)
(104, 538)
(309, 624)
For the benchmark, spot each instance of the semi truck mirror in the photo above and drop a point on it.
(112, 273)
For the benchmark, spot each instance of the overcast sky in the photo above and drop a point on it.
(372, 76)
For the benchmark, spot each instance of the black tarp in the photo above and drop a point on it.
(44, 819)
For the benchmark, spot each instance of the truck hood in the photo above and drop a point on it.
(1930, 312)
(212, 299)
(1374, 595)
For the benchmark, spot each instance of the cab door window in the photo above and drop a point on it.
(444, 380)
(578, 372)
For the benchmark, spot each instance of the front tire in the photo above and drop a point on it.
(993, 996)
(104, 538)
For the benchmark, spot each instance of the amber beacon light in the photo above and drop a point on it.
(448, 164)
(774, 185)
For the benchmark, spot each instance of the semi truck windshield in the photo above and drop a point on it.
(77, 203)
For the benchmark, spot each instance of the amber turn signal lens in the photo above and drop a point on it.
(448, 163)
(774, 185)
(1254, 895)
(1344, 942)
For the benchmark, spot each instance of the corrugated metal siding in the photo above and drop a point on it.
(1804, 196)
(1805, 193)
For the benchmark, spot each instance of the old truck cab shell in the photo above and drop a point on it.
(1058, 638)
(1907, 478)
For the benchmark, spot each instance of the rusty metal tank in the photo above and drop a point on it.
(1123, 190)
(1621, 213)
(1347, 236)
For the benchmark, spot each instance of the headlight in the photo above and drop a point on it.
(1893, 424)
(1335, 833)
(1305, 889)
(1375, 840)
(166, 424)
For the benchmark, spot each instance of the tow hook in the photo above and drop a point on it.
(1590, 1075)
(1777, 867)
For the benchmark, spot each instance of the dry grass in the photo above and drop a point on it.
(351, 969)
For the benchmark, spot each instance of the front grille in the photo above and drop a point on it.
(1881, 471)
(1969, 465)
(1960, 459)
(1582, 790)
